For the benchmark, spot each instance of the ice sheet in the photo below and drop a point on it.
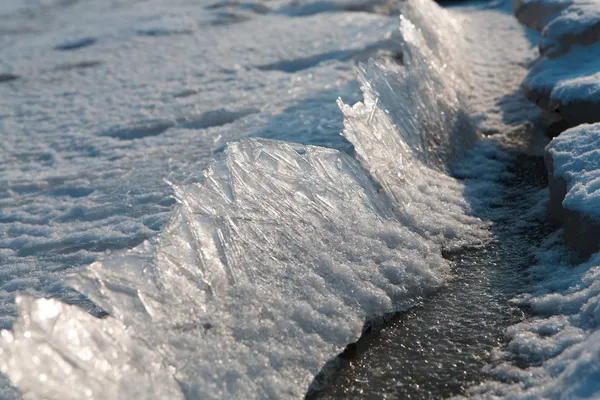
(267, 269)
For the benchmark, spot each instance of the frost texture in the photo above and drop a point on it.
(271, 265)
(410, 126)
(76, 356)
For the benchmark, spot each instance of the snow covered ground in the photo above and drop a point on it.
(108, 99)
(244, 279)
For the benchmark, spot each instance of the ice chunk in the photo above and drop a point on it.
(267, 269)
(73, 355)
(411, 125)
(270, 266)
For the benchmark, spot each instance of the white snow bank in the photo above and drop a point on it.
(536, 13)
(576, 159)
(577, 24)
(563, 345)
(573, 77)
(566, 79)
(271, 264)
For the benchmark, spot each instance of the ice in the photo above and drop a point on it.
(88, 134)
(413, 120)
(267, 269)
(74, 347)
(271, 264)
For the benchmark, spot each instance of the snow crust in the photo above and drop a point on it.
(577, 24)
(537, 13)
(94, 114)
(571, 78)
(272, 262)
(576, 157)
(566, 78)
(268, 269)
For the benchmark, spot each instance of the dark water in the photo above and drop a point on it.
(442, 346)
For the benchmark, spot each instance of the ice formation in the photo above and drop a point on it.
(273, 262)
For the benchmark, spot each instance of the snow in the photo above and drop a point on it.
(570, 78)
(278, 253)
(537, 13)
(577, 24)
(281, 249)
(563, 342)
(89, 133)
(576, 159)
(565, 79)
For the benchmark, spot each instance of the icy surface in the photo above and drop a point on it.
(560, 344)
(94, 114)
(267, 269)
(576, 159)
(276, 255)
(75, 347)
(282, 249)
